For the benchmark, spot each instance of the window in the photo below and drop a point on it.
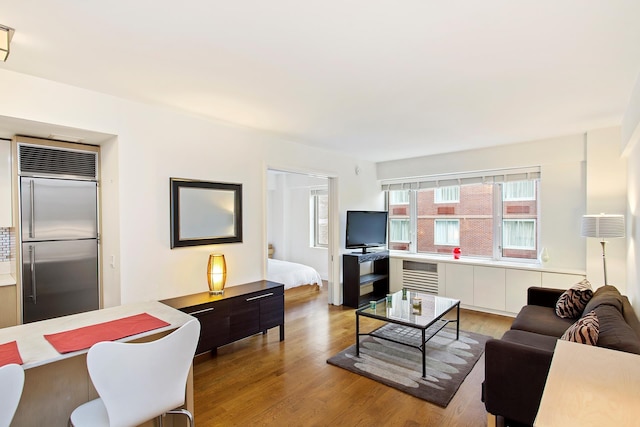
(447, 194)
(399, 230)
(446, 232)
(519, 234)
(320, 218)
(399, 197)
(399, 207)
(519, 190)
(494, 215)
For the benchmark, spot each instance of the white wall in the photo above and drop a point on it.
(633, 227)
(606, 193)
(152, 144)
(630, 144)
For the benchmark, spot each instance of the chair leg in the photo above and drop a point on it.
(185, 413)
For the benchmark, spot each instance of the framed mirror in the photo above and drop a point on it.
(205, 213)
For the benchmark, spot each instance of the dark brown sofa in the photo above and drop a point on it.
(516, 366)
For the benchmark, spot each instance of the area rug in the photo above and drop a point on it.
(449, 361)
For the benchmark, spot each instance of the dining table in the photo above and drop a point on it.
(53, 354)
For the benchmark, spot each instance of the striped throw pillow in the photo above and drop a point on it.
(572, 301)
(584, 331)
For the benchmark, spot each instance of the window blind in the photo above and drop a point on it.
(445, 180)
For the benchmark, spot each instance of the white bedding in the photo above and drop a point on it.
(292, 274)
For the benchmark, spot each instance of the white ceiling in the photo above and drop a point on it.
(379, 79)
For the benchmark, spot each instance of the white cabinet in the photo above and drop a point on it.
(5, 184)
(395, 274)
(517, 283)
(489, 287)
(459, 282)
(8, 306)
(500, 289)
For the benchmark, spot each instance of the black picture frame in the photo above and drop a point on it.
(204, 212)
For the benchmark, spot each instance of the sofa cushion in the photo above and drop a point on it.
(572, 301)
(584, 331)
(541, 320)
(615, 333)
(607, 295)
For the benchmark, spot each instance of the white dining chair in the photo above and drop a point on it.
(11, 385)
(138, 382)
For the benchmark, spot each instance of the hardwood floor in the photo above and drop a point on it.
(260, 381)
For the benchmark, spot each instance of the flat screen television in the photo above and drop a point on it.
(366, 229)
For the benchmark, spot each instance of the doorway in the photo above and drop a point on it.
(299, 221)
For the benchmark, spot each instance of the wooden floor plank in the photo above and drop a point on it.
(260, 381)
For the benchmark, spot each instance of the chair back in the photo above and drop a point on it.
(11, 384)
(140, 381)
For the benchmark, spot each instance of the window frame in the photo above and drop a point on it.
(315, 218)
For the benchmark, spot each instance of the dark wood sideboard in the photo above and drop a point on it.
(242, 311)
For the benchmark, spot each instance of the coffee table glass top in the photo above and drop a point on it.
(400, 308)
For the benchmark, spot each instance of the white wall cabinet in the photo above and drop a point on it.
(496, 289)
(8, 306)
(489, 285)
(517, 283)
(459, 282)
(395, 274)
(5, 184)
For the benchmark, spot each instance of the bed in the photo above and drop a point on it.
(292, 274)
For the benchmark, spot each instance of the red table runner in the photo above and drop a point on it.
(83, 338)
(9, 354)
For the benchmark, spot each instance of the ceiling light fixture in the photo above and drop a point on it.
(6, 34)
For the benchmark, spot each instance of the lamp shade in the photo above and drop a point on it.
(603, 226)
(6, 34)
(216, 273)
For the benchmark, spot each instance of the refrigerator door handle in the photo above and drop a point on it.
(32, 261)
(32, 216)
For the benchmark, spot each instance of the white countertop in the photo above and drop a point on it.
(35, 350)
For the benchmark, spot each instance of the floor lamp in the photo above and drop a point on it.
(603, 226)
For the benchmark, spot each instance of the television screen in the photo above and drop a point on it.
(366, 229)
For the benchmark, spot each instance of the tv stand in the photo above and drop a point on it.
(353, 281)
(366, 251)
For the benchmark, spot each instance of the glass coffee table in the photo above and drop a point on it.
(402, 308)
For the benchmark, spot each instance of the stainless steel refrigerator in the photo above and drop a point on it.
(59, 235)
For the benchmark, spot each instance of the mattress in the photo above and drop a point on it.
(292, 274)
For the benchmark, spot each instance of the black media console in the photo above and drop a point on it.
(353, 281)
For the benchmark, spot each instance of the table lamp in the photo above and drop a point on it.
(216, 274)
